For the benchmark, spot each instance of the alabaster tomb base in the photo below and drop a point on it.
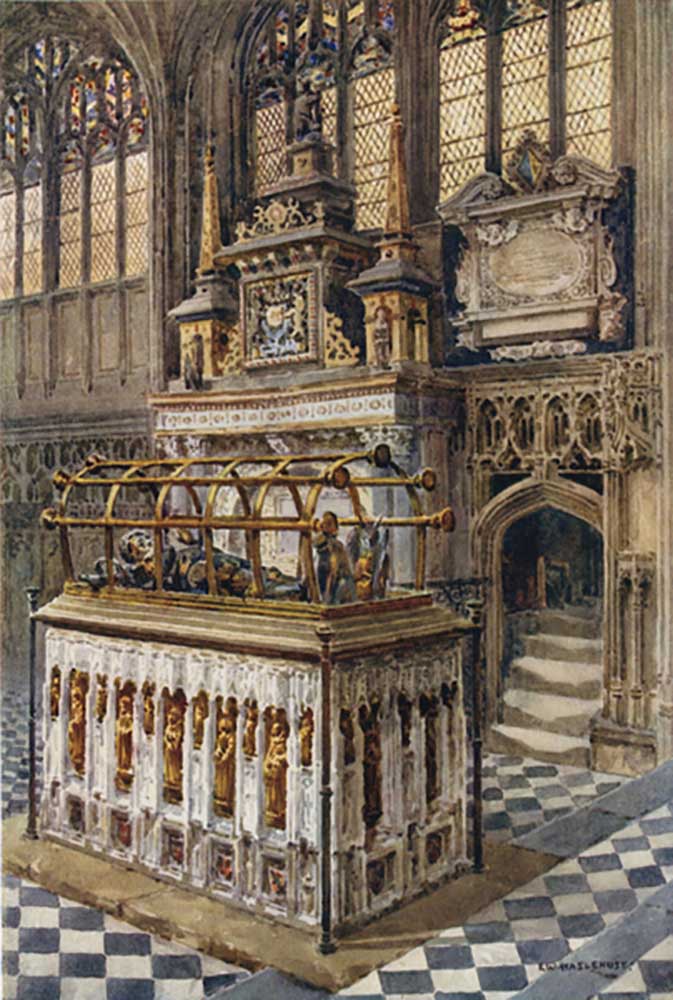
(189, 742)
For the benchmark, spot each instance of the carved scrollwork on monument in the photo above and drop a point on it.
(225, 758)
(279, 217)
(79, 686)
(275, 768)
(599, 419)
(174, 733)
(339, 351)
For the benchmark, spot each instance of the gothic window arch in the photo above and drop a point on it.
(342, 49)
(514, 65)
(73, 172)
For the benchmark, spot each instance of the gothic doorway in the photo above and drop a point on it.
(539, 545)
(551, 667)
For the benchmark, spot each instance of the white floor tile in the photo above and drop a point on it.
(370, 984)
(39, 916)
(129, 966)
(456, 980)
(497, 953)
(35, 964)
(574, 903)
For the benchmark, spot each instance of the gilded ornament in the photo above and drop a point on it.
(225, 759)
(275, 771)
(148, 708)
(199, 718)
(371, 765)
(79, 684)
(306, 728)
(348, 733)
(174, 731)
(250, 731)
(124, 738)
(55, 692)
(100, 707)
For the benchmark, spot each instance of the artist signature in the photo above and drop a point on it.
(615, 966)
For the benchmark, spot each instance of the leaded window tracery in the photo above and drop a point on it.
(73, 172)
(342, 49)
(497, 80)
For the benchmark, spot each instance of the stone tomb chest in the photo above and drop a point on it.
(241, 701)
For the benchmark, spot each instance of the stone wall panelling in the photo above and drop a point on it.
(69, 336)
(7, 351)
(105, 331)
(137, 323)
(35, 346)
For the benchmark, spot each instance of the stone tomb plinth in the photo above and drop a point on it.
(308, 767)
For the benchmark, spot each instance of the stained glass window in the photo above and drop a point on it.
(100, 117)
(136, 214)
(70, 228)
(462, 112)
(103, 221)
(328, 108)
(588, 80)
(525, 91)
(373, 96)
(7, 238)
(270, 144)
(32, 239)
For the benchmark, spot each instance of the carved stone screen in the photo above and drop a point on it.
(373, 96)
(70, 238)
(32, 239)
(136, 214)
(462, 113)
(525, 97)
(7, 243)
(103, 222)
(270, 142)
(589, 81)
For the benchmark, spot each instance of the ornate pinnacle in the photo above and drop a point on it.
(211, 236)
(397, 212)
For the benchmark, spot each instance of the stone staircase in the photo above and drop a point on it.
(554, 687)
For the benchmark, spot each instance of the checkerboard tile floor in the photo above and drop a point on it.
(508, 945)
(14, 757)
(520, 795)
(54, 949)
(651, 978)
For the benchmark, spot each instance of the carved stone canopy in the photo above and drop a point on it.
(537, 266)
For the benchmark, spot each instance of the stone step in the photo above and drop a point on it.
(580, 622)
(551, 747)
(559, 677)
(576, 649)
(549, 712)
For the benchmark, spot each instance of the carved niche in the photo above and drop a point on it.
(537, 276)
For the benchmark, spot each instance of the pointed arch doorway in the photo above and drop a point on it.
(517, 545)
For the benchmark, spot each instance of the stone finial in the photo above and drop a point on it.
(211, 236)
(397, 210)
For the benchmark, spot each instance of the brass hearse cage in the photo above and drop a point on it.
(197, 529)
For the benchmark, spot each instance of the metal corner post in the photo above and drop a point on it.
(475, 610)
(326, 944)
(31, 825)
